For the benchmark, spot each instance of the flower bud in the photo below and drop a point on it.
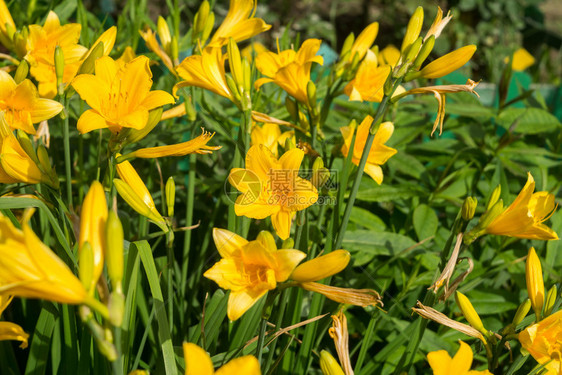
(329, 365)
(235, 64)
(469, 313)
(114, 255)
(414, 28)
(311, 94)
(174, 50)
(448, 63)
(59, 68)
(412, 51)
(86, 265)
(535, 284)
(233, 87)
(136, 135)
(489, 216)
(190, 109)
(322, 266)
(521, 312)
(164, 33)
(20, 42)
(550, 299)
(201, 17)
(208, 27)
(44, 162)
(292, 108)
(289, 243)
(170, 195)
(468, 208)
(494, 197)
(425, 50)
(21, 71)
(27, 146)
(348, 42)
(89, 65)
(116, 307)
(247, 74)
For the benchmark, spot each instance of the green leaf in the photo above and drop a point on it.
(366, 244)
(367, 219)
(370, 192)
(528, 120)
(41, 340)
(163, 329)
(425, 222)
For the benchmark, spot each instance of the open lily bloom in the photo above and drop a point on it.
(272, 187)
(525, 216)
(290, 70)
(239, 23)
(119, 97)
(22, 105)
(29, 269)
(544, 341)
(205, 71)
(8, 330)
(198, 362)
(40, 51)
(442, 364)
(250, 268)
(379, 153)
(369, 80)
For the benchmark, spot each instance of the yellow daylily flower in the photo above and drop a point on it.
(197, 145)
(369, 80)
(93, 217)
(448, 63)
(164, 52)
(525, 216)
(198, 362)
(239, 23)
(8, 330)
(127, 56)
(133, 190)
(521, 60)
(267, 135)
(379, 153)
(544, 341)
(290, 70)
(321, 267)
(6, 21)
(329, 365)
(22, 105)
(275, 189)
(442, 364)
(205, 71)
(16, 165)
(363, 42)
(29, 269)
(534, 281)
(250, 268)
(389, 55)
(119, 97)
(252, 50)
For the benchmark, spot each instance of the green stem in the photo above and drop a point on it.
(261, 338)
(366, 150)
(67, 161)
(170, 248)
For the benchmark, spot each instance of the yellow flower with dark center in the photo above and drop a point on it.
(379, 153)
(272, 187)
(290, 70)
(525, 216)
(205, 71)
(369, 80)
(29, 269)
(8, 330)
(198, 362)
(544, 341)
(239, 23)
(22, 105)
(442, 364)
(119, 97)
(250, 268)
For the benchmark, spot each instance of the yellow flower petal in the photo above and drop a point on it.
(282, 223)
(12, 331)
(247, 365)
(197, 361)
(287, 260)
(228, 243)
(322, 266)
(90, 120)
(448, 63)
(241, 301)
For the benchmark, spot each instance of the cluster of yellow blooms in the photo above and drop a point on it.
(120, 98)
